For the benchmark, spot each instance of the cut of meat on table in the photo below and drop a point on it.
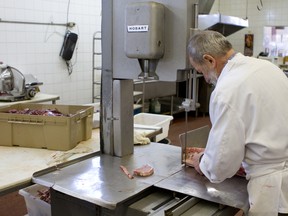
(124, 169)
(189, 153)
(145, 170)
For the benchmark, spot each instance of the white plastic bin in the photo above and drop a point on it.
(35, 206)
(96, 114)
(155, 120)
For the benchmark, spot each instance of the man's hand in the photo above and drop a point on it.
(196, 161)
(193, 156)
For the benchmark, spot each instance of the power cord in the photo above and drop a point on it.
(69, 67)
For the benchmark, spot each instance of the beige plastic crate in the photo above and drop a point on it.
(48, 132)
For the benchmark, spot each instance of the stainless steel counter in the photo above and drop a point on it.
(16, 171)
(231, 192)
(99, 180)
(38, 98)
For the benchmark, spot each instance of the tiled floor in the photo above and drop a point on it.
(13, 204)
(179, 126)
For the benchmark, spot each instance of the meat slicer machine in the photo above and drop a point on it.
(15, 86)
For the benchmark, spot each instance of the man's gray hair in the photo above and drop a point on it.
(207, 42)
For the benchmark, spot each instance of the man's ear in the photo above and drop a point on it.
(209, 58)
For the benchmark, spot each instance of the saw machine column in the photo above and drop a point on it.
(145, 40)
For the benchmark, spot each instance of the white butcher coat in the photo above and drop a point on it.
(249, 116)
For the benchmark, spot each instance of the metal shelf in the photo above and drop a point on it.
(95, 68)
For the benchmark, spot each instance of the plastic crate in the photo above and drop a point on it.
(155, 120)
(48, 132)
(35, 206)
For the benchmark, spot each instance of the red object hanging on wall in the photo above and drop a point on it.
(249, 41)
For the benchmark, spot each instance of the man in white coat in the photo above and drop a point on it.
(249, 115)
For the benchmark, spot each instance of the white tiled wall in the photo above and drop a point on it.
(35, 49)
(271, 13)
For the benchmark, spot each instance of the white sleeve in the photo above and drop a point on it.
(226, 143)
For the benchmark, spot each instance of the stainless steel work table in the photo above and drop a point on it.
(16, 171)
(100, 181)
(38, 98)
(232, 192)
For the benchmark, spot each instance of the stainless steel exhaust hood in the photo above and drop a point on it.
(226, 25)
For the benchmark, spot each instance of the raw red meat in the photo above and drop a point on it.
(43, 112)
(241, 172)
